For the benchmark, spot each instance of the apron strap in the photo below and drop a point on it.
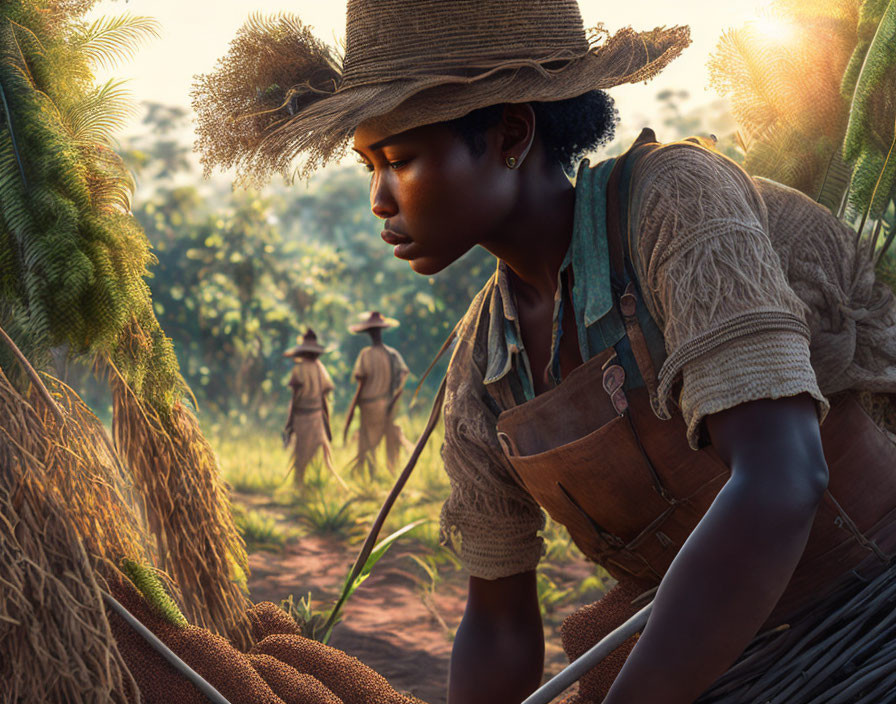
(628, 304)
(617, 188)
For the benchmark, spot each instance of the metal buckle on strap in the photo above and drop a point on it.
(613, 381)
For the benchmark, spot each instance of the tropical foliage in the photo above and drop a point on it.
(73, 269)
(240, 274)
(813, 87)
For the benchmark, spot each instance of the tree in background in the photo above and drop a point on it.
(240, 273)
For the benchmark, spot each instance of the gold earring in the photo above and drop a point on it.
(511, 162)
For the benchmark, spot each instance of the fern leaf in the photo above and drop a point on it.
(111, 39)
(99, 114)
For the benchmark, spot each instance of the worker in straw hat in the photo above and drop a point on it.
(380, 372)
(650, 362)
(307, 428)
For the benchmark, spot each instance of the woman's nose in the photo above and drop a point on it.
(381, 201)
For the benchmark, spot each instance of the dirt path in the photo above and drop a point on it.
(390, 623)
(395, 622)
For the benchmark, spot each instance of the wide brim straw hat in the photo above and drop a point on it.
(372, 320)
(283, 101)
(307, 343)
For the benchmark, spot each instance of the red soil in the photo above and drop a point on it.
(393, 623)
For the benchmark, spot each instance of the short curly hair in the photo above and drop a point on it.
(568, 129)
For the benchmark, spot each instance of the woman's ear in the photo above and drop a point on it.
(517, 130)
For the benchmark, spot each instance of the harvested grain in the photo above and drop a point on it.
(210, 655)
(589, 624)
(55, 642)
(347, 677)
(157, 680)
(256, 678)
(266, 619)
(188, 508)
(291, 686)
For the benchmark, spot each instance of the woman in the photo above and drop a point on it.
(649, 363)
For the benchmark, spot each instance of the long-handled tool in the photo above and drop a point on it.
(600, 650)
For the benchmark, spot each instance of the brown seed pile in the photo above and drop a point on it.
(347, 677)
(267, 619)
(586, 626)
(284, 668)
(289, 684)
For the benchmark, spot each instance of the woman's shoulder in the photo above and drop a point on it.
(691, 162)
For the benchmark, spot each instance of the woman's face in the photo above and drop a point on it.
(437, 199)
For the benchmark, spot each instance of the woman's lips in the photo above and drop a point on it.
(401, 243)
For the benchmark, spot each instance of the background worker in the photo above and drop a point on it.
(380, 372)
(308, 421)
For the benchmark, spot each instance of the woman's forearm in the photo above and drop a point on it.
(489, 667)
(717, 593)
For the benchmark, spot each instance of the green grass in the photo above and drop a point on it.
(260, 530)
(323, 513)
(254, 462)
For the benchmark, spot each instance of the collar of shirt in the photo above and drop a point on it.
(589, 261)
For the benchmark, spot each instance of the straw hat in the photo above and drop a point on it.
(372, 320)
(282, 94)
(307, 343)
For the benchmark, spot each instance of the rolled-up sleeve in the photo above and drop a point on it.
(490, 520)
(734, 329)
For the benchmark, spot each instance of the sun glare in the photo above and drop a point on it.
(774, 29)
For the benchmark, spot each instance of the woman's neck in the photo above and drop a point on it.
(535, 239)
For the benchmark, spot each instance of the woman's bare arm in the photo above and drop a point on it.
(498, 655)
(732, 570)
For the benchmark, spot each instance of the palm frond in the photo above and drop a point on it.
(871, 131)
(110, 39)
(879, 58)
(785, 94)
(98, 115)
(110, 182)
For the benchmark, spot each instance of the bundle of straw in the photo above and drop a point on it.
(55, 640)
(188, 510)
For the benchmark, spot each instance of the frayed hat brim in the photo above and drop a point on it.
(299, 143)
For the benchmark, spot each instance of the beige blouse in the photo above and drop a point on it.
(759, 292)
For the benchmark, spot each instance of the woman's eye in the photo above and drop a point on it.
(395, 165)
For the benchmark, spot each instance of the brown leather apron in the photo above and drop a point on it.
(630, 490)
